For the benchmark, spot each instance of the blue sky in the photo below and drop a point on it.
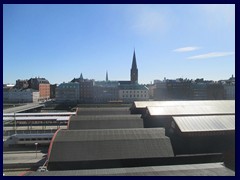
(59, 42)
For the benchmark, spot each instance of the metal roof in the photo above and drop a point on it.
(105, 117)
(103, 111)
(110, 134)
(39, 118)
(205, 123)
(207, 169)
(105, 122)
(190, 110)
(144, 104)
(39, 114)
(109, 144)
(23, 108)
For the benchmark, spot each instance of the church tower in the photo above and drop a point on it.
(106, 76)
(134, 70)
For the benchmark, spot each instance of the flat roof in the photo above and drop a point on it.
(207, 169)
(105, 122)
(103, 111)
(39, 118)
(39, 114)
(190, 110)
(105, 117)
(205, 123)
(144, 104)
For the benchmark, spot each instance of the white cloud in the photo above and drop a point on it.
(186, 49)
(211, 55)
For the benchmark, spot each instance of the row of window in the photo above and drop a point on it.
(126, 96)
(135, 92)
(35, 139)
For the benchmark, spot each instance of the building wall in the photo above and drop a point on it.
(86, 91)
(160, 92)
(22, 96)
(67, 92)
(105, 94)
(53, 91)
(229, 90)
(44, 90)
(130, 95)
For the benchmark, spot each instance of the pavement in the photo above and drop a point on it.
(19, 160)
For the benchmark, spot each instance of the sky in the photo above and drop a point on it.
(59, 42)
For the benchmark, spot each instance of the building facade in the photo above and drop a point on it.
(132, 92)
(67, 93)
(105, 91)
(42, 85)
(21, 96)
(44, 91)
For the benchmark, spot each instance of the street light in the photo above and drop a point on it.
(36, 148)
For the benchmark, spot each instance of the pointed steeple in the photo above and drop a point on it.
(81, 77)
(134, 70)
(134, 62)
(107, 76)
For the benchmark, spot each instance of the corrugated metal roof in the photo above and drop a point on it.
(105, 117)
(40, 114)
(208, 169)
(205, 123)
(38, 118)
(190, 110)
(109, 134)
(105, 122)
(85, 145)
(144, 104)
(103, 111)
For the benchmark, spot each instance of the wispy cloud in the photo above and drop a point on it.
(211, 55)
(186, 49)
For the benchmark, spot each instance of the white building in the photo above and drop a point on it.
(130, 93)
(21, 96)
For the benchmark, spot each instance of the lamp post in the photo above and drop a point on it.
(36, 148)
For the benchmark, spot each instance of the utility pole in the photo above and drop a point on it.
(36, 148)
(15, 122)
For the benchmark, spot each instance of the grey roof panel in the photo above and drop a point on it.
(109, 144)
(104, 117)
(103, 111)
(190, 110)
(208, 169)
(205, 123)
(144, 104)
(105, 122)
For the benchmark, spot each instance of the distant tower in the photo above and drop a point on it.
(106, 76)
(134, 70)
(81, 77)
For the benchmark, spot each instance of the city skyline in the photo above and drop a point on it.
(59, 42)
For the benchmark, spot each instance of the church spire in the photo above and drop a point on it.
(81, 77)
(134, 70)
(134, 62)
(107, 76)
